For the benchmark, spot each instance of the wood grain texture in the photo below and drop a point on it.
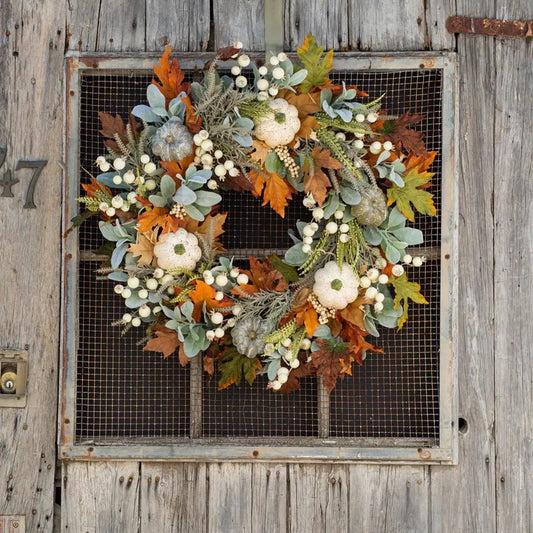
(437, 12)
(513, 275)
(463, 498)
(98, 497)
(269, 498)
(31, 61)
(230, 498)
(319, 498)
(376, 26)
(388, 499)
(327, 21)
(242, 20)
(190, 34)
(121, 26)
(173, 497)
(82, 18)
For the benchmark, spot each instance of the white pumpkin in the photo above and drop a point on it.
(177, 250)
(279, 127)
(336, 287)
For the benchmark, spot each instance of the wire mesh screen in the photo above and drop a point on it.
(125, 394)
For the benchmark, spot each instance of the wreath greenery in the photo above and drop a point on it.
(290, 132)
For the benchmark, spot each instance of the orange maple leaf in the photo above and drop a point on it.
(212, 227)
(423, 163)
(260, 152)
(170, 75)
(276, 191)
(166, 342)
(356, 337)
(315, 180)
(205, 294)
(307, 104)
(157, 217)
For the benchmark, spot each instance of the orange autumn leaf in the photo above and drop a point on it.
(423, 163)
(205, 294)
(174, 168)
(261, 151)
(96, 187)
(307, 104)
(310, 320)
(212, 227)
(157, 217)
(354, 314)
(144, 247)
(192, 120)
(276, 191)
(170, 75)
(315, 180)
(166, 342)
(355, 336)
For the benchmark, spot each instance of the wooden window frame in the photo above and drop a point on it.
(303, 450)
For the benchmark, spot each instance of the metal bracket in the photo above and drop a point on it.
(520, 29)
(13, 378)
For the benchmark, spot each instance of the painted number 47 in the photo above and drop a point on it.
(8, 180)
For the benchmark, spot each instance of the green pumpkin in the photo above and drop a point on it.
(372, 209)
(247, 336)
(172, 141)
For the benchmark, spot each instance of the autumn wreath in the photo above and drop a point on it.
(282, 130)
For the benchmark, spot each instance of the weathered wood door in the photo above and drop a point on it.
(490, 489)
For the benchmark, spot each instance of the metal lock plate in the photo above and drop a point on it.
(12, 524)
(13, 378)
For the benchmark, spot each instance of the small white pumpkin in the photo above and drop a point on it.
(336, 287)
(177, 250)
(279, 127)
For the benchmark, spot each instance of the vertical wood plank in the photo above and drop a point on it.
(242, 20)
(269, 498)
(99, 497)
(513, 275)
(376, 26)
(184, 25)
(463, 497)
(173, 497)
(319, 498)
(389, 499)
(229, 501)
(121, 26)
(327, 21)
(437, 12)
(82, 25)
(31, 66)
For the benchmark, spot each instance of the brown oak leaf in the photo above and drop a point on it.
(114, 125)
(332, 362)
(293, 382)
(170, 75)
(402, 136)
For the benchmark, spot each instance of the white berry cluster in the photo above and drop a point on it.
(288, 162)
(324, 313)
(289, 352)
(223, 280)
(309, 231)
(211, 159)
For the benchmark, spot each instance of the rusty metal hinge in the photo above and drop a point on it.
(499, 28)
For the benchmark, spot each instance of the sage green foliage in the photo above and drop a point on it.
(190, 333)
(393, 236)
